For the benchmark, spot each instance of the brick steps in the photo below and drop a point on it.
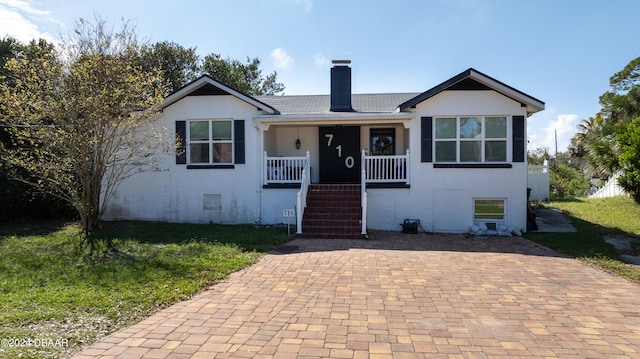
(333, 212)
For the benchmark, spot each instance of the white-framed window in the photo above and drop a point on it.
(489, 210)
(210, 142)
(471, 139)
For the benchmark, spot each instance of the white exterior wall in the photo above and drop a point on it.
(274, 200)
(178, 194)
(442, 198)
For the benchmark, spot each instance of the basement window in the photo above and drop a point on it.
(489, 211)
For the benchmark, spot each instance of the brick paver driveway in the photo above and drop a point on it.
(398, 296)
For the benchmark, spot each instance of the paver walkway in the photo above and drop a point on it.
(398, 296)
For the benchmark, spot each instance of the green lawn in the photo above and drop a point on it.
(53, 288)
(595, 218)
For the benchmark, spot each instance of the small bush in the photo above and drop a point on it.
(566, 181)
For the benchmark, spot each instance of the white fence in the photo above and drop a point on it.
(610, 189)
(538, 181)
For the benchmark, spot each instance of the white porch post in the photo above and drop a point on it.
(408, 166)
(264, 169)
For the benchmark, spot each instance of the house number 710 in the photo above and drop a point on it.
(349, 161)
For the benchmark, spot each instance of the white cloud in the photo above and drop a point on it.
(281, 59)
(320, 60)
(307, 4)
(20, 19)
(564, 126)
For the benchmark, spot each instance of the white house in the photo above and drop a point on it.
(451, 157)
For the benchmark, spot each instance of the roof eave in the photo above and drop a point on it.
(533, 104)
(335, 118)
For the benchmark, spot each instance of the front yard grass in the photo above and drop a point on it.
(55, 289)
(594, 219)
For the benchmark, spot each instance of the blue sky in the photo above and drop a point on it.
(559, 51)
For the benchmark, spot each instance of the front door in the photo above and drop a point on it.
(340, 154)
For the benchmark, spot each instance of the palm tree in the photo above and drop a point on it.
(595, 143)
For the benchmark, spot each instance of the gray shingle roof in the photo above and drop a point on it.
(308, 104)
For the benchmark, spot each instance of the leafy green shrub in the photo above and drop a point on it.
(630, 159)
(566, 181)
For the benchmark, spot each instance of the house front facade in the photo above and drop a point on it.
(451, 157)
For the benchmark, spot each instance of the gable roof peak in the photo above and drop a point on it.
(485, 83)
(221, 89)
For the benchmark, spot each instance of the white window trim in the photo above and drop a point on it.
(498, 221)
(211, 141)
(482, 139)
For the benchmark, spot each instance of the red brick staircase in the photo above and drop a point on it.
(333, 211)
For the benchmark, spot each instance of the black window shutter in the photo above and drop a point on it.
(238, 141)
(181, 142)
(426, 139)
(519, 141)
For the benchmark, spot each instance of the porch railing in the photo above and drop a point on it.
(386, 169)
(284, 169)
(301, 200)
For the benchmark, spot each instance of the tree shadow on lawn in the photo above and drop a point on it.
(32, 227)
(588, 244)
(585, 242)
(249, 238)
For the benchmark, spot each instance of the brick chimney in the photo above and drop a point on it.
(341, 86)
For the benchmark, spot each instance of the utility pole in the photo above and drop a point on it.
(556, 134)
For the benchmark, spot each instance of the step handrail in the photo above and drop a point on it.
(301, 200)
(363, 200)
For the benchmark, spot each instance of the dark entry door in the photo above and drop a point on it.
(340, 154)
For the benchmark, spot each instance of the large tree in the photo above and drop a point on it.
(630, 159)
(607, 142)
(244, 77)
(80, 119)
(179, 65)
(9, 49)
(19, 200)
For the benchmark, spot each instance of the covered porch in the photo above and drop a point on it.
(382, 171)
(337, 150)
(367, 153)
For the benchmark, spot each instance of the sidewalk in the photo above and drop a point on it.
(552, 220)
